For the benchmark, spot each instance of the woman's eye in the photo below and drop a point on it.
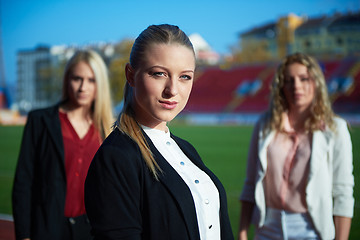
(305, 79)
(76, 78)
(158, 74)
(187, 77)
(92, 80)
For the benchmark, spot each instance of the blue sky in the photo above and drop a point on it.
(28, 23)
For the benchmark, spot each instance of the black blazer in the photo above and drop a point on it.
(40, 183)
(124, 201)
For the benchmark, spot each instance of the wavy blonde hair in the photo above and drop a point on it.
(154, 34)
(102, 114)
(321, 113)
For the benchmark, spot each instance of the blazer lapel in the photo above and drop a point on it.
(195, 158)
(263, 144)
(320, 144)
(178, 189)
(52, 122)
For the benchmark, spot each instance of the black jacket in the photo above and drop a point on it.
(124, 201)
(40, 181)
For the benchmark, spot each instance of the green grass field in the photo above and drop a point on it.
(223, 149)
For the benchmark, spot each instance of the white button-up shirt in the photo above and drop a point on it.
(203, 190)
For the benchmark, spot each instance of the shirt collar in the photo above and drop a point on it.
(286, 124)
(156, 133)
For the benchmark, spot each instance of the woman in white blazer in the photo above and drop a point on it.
(299, 182)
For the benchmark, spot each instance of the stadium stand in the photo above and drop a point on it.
(347, 97)
(246, 88)
(259, 101)
(216, 90)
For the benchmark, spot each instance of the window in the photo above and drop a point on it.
(339, 41)
(307, 43)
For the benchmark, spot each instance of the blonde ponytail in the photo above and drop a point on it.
(127, 124)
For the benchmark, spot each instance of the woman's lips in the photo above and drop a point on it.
(298, 95)
(168, 104)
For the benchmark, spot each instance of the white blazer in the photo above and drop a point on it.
(329, 190)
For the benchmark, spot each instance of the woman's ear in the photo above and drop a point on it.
(130, 74)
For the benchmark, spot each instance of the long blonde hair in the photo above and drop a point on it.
(154, 34)
(321, 112)
(102, 114)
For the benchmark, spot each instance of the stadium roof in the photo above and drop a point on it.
(268, 30)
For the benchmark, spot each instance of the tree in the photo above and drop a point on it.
(117, 68)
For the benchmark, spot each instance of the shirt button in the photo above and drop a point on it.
(182, 163)
(168, 143)
(207, 201)
(80, 160)
(72, 221)
(210, 226)
(196, 181)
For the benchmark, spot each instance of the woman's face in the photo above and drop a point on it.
(162, 84)
(299, 87)
(82, 85)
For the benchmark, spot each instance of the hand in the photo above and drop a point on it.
(245, 217)
(342, 227)
(243, 235)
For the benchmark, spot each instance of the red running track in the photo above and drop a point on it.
(7, 230)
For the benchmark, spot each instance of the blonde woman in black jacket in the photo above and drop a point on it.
(57, 146)
(144, 182)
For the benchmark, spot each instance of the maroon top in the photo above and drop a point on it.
(78, 155)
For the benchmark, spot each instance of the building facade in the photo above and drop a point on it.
(40, 70)
(40, 73)
(270, 41)
(335, 36)
(34, 78)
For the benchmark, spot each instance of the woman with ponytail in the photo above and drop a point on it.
(144, 182)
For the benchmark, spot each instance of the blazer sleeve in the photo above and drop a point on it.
(343, 178)
(22, 189)
(113, 193)
(248, 192)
